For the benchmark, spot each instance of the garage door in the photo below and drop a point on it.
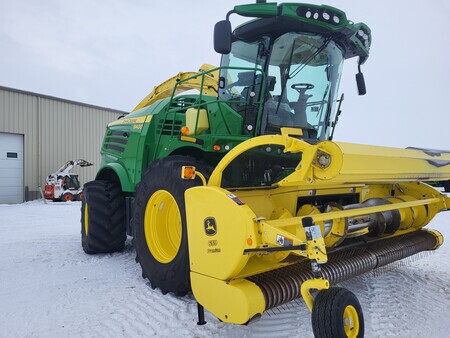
(11, 168)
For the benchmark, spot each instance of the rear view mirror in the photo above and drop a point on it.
(360, 78)
(361, 83)
(222, 37)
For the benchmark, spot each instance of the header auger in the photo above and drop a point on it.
(240, 195)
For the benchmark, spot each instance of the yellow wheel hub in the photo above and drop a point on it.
(351, 321)
(86, 219)
(162, 226)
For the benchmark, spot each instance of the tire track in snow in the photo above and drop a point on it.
(291, 319)
(407, 296)
(401, 297)
(143, 312)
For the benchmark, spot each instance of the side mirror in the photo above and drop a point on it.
(361, 83)
(360, 78)
(222, 37)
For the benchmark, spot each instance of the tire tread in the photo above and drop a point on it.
(165, 174)
(106, 205)
(328, 310)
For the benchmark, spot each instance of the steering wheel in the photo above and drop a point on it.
(302, 87)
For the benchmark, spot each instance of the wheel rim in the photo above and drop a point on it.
(351, 321)
(162, 226)
(86, 220)
(68, 197)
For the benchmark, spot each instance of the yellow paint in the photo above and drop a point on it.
(235, 301)
(131, 120)
(278, 213)
(351, 321)
(285, 131)
(207, 83)
(162, 226)
(293, 144)
(438, 236)
(353, 212)
(317, 284)
(202, 177)
(188, 139)
(364, 163)
(86, 219)
(350, 163)
(221, 255)
(271, 217)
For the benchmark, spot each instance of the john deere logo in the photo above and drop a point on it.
(210, 226)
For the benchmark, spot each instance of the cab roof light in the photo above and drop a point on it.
(363, 35)
(326, 14)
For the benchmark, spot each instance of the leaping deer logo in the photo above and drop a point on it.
(210, 226)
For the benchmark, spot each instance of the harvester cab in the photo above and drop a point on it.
(238, 193)
(283, 68)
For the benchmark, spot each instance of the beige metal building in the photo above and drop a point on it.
(39, 133)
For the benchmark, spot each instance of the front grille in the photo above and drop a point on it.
(116, 140)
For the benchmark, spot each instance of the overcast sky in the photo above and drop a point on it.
(112, 52)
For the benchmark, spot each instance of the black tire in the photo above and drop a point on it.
(103, 218)
(447, 186)
(328, 314)
(165, 269)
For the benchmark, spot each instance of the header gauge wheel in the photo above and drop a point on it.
(337, 314)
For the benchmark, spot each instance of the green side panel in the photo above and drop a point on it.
(121, 150)
(162, 137)
(120, 171)
(132, 143)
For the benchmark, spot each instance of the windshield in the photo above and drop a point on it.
(303, 79)
(303, 73)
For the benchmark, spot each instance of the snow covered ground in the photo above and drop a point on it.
(50, 288)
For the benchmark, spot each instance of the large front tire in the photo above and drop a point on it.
(103, 218)
(159, 220)
(337, 314)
